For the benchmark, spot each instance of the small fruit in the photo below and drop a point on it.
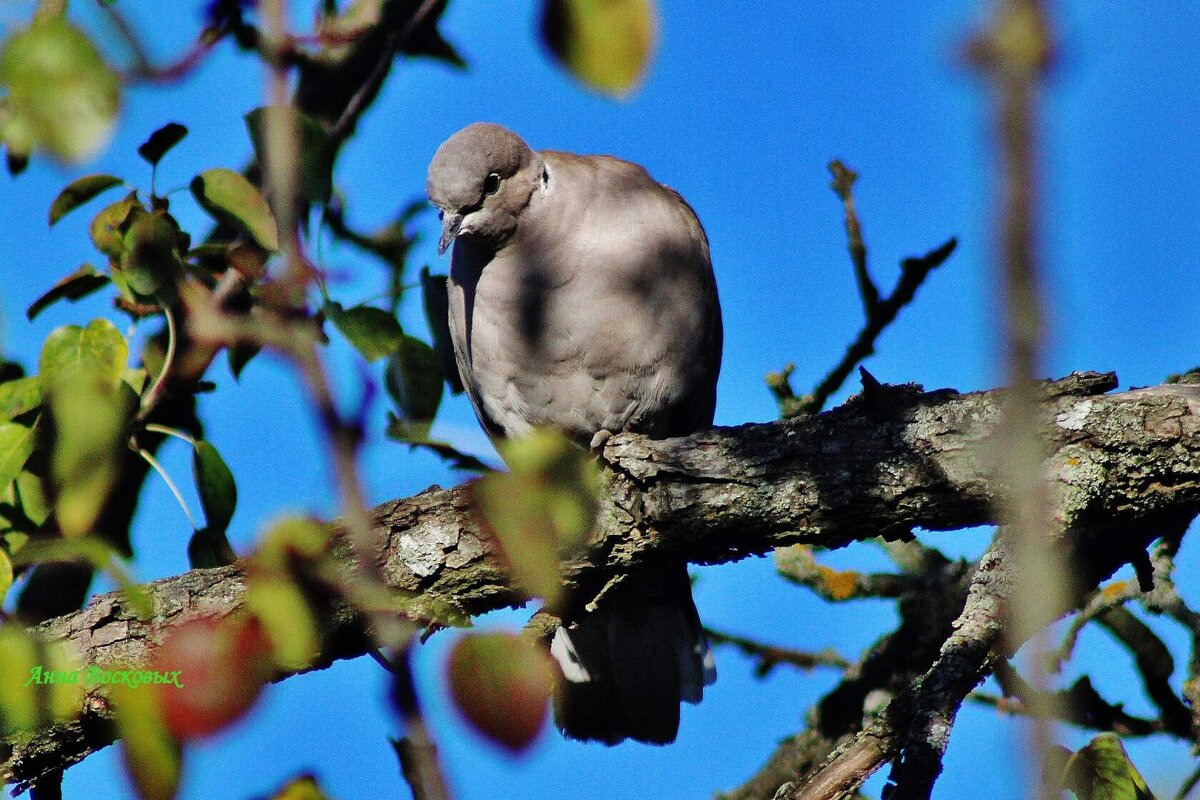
(501, 684)
(222, 665)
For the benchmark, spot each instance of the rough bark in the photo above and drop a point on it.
(884, 464)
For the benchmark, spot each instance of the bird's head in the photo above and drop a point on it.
(480, 179)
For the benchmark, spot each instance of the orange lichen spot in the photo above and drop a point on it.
(1115, 589)
(839, 585)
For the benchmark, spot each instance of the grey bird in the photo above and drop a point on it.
(582, 297)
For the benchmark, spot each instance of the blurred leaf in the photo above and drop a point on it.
(19, 397)
(162, 140)
(607, 44)
(372, 331)
(208, 548)
(90, 421)
(215, 485)
(286, 617)
(541, 510)
(316, 152)
(233, 200)
(18, 657)
(62, 96)
(106, 226)
(16, 446)
(78, 192)
(437, 312)
(301, 537)
(1102, 771)
(501, 684)
(99, 350)
(305, 787)
(32, 493)
(6, 575)
(414, 381)
(150, 260)
(152, 756)
(79, 283)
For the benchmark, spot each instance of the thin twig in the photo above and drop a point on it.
(843, 186)
(879, 313)
(769, 656)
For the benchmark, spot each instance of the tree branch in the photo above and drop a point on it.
(1121, 467)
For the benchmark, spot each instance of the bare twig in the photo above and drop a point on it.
(843, 186)
(769, 656)
(880, 313)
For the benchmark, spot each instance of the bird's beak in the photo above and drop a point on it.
(451, 222)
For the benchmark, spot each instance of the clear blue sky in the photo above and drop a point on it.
(741, 112)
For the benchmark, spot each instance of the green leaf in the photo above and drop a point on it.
(98, 350)
(90, 425)
(79, 283)
(437, 312)
(19, 397)
(31, 492)
(16, 446)
(150, 260)
(606, 44)
(78, 192)
(414, 381)
(233, 200)
(372, 331)
(153, 149)
(215, 485)
(106, 226)
(208, 548)
(62, 96)
(316, 151)
(1102, 771)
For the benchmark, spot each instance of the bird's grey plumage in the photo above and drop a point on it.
(582, 297)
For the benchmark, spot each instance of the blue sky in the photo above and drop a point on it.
(741, 112)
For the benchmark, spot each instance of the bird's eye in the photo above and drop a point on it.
(441, 214)
(491, 184)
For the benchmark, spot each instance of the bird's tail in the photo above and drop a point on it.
(627, 665)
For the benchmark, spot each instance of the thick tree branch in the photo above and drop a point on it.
(1121, 467)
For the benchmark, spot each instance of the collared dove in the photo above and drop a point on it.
(582, 297)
